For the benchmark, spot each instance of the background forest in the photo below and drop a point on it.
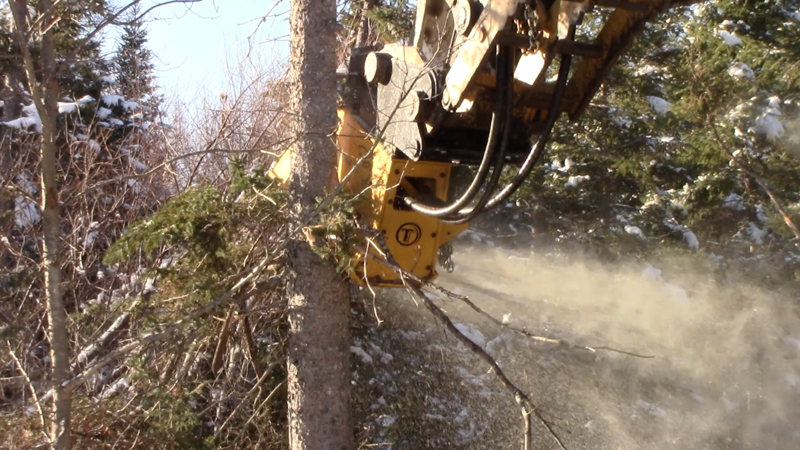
(691, 147)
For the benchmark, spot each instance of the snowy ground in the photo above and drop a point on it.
(726, 373)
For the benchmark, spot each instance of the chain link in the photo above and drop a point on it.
(532, 20)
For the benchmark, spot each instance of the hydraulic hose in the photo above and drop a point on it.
(538, 149)
(498, 119)
(501, 120)
(472, 212)
(552, 117)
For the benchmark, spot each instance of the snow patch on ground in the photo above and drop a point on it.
(138, 165)
(135, 186)
(385, 358)
(27, 185)
(91, 236)
(387, 421)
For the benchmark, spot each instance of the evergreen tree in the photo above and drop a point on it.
(90, 156)
(133, 63)
(685, 130)
(372, 22)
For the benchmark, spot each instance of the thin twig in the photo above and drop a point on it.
(526, 407)
(413, 284)
(528, 334)
(33, 393)
(255, 387)
(266, 400)
(135, 344)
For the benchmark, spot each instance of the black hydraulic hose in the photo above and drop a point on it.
(538, 149)
(496, 125)
(533, 157)
(472, 212)
(552, 117)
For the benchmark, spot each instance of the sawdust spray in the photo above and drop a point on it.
(726, 367)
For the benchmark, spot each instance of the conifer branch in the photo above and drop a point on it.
(744, 167)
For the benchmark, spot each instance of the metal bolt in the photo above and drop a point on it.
(378, 68)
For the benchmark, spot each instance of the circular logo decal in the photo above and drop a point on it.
(408, 234)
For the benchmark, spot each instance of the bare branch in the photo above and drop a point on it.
(528, 334)
(112, 19)
(137, 343)
(33, 392)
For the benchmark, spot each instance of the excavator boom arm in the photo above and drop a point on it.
(483, 85)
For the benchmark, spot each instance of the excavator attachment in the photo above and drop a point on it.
(394, 232)
(482, 85)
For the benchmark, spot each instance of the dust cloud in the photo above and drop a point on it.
(726, 371)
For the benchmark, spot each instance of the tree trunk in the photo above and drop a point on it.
(44, 89)
(365, 32)
(11, 94)
(319, 357)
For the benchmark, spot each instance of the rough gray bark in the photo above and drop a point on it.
(319, 357)
(44, 88)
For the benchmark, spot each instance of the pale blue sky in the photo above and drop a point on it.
(191, 41)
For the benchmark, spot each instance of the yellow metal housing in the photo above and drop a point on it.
(413, 239)
(366, 167)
